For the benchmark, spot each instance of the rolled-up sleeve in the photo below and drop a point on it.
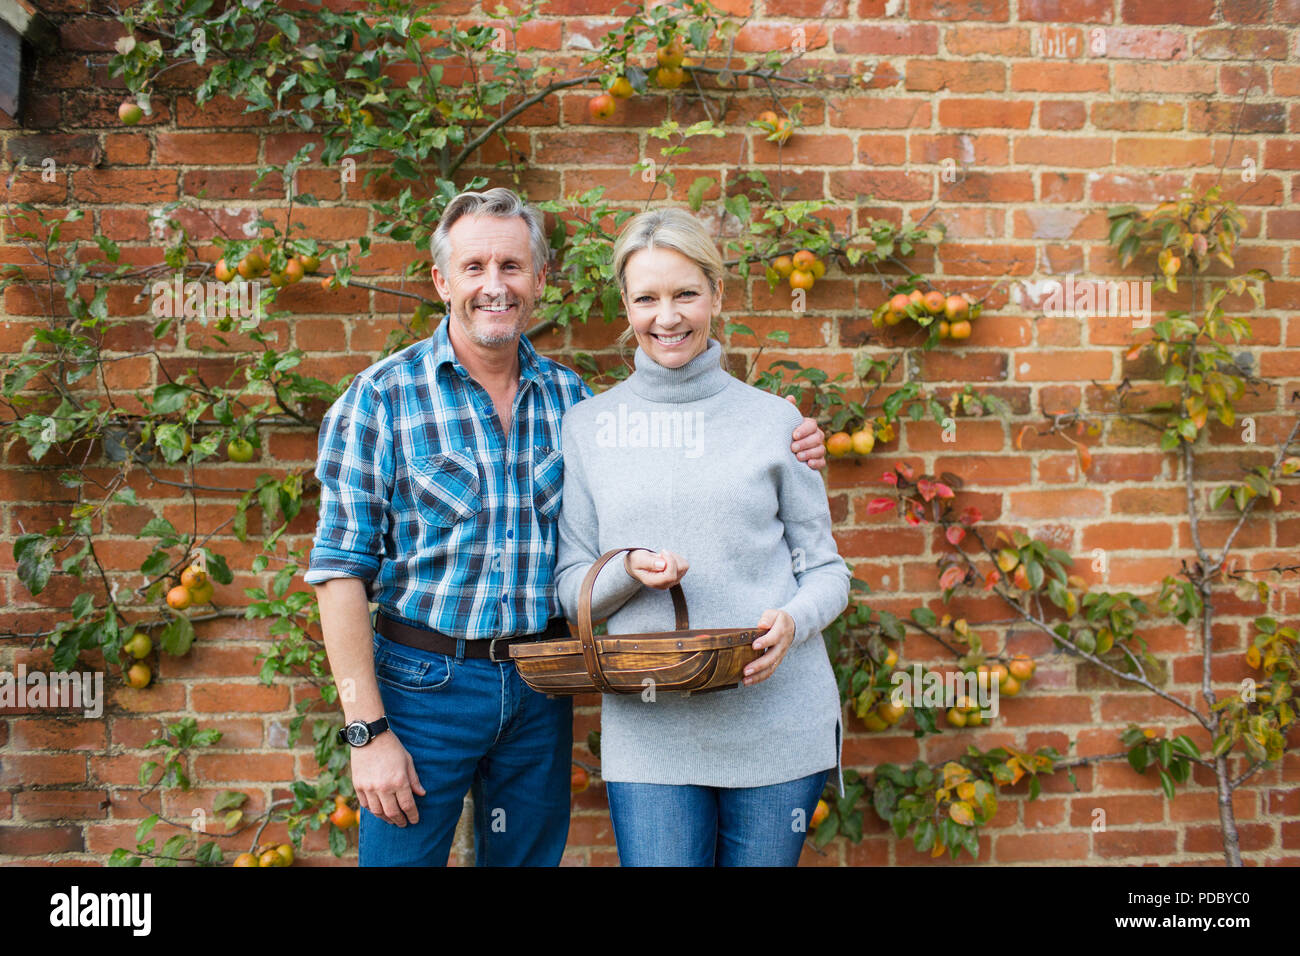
(355, 469)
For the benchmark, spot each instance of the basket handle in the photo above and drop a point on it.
(585, 633)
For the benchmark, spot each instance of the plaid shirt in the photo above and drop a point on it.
(451, 523)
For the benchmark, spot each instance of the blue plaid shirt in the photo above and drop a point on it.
(451, 523)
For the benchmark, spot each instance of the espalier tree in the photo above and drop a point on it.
(1197, 381)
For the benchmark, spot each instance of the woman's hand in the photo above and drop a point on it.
(777, 640)
(661, 570)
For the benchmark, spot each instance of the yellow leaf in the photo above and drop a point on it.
(961, 813)
(954, 773)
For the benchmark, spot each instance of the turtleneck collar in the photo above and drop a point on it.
(699, 378)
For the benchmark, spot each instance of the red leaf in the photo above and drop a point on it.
(971, 516)
(890, 478)
(943, 490)
(951, 577)
(990, 579)
(954, 534)
(1085, 457)
(911, 518)
(905, 470)
(876, 505)
(926, 487)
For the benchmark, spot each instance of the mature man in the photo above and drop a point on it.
(441, 479)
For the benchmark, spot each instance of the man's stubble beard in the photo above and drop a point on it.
(495, 338)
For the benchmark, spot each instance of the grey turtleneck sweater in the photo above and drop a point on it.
(695, 461)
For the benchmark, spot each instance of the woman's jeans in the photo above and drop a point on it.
(668, 825)
(471, 724)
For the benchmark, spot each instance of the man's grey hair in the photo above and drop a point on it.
(500, 202)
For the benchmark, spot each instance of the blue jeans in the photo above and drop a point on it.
(668, 825)
(471, 724)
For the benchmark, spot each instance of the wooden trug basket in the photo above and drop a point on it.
(679, 660)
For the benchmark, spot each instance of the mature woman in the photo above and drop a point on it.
(728, 777)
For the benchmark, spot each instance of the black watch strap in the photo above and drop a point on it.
(375, 728)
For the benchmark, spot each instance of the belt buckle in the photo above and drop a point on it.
(492, 651)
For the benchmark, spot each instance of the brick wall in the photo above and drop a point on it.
(1050, 110)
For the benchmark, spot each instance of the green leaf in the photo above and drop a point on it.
(217, 567)
(923, 615)
(1139, 757)
(147, 824)
(695, 195)
(169, 398)
(923, 837)
(1167, 784)
(228, 799)
(177, 636)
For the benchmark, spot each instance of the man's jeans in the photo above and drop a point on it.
(669, 825)
(473, 724)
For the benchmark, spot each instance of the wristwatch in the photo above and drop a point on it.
(358, 733)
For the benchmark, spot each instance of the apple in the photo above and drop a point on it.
(179, 598)
(601, 107)
(670, 77)
(955, 308)
(672, 54)
(138, 675)
(223, 272)
(240, 449)
(139, 645)
(252, 265)
(130, 113)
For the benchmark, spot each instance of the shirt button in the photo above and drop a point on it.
(510, 534)
(504, 599)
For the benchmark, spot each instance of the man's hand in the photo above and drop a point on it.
(384, 777)
(809, 444)
(661, 570)
(774, 643)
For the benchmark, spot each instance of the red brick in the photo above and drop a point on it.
(974, 113)
(1040, 847)
(958, 10)
(42, 805)
(1060, 77)
(124, 185)
(1127, 43)
(40, 841)
(1067, 11)
(21, 769)
(1192, 12)
(910, 39)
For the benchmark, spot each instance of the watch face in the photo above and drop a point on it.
(358, 733)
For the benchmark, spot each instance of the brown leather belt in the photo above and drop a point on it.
(496, 649)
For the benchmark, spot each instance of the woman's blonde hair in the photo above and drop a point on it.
(674, 229)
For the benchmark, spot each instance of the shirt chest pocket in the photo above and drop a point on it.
(548, 481)
(446, 488)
